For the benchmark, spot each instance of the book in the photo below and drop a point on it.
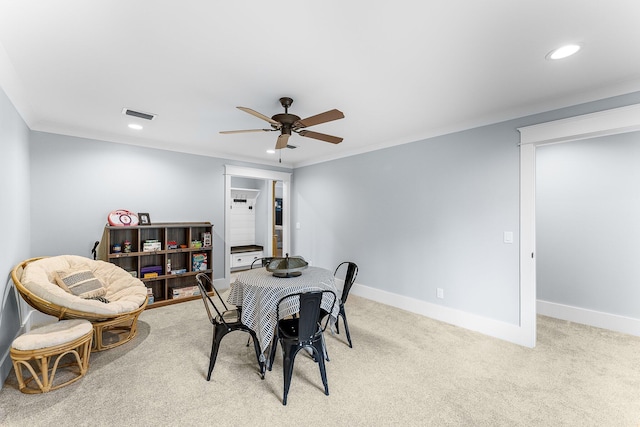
(151, 245)
(187, 291)
(199, 262)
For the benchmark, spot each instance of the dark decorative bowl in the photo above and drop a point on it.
(287, 267)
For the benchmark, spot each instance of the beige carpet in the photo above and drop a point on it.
(404, 369)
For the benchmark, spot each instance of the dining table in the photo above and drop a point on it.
(257, 292)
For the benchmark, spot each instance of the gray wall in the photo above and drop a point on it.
(588, 227)
(76, 182)
(14, 221)
(421, 216)
(427, 215)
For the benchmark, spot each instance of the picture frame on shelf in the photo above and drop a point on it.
(144, 218)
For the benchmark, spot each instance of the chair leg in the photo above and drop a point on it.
(317, 346)
(272, 352)
(214, 353)
(289, 357)
(263, 366)
(346, 324)
(218, 334)
(325, 352)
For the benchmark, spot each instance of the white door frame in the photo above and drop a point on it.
(285, 178)
(602, 123)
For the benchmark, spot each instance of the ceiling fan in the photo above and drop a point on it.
(287, 123)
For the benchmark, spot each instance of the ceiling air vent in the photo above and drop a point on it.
(292, 146)
(140, 115)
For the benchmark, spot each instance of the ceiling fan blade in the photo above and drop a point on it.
(282, 141)
(321, 136)
(325, 117)
(246, 130)
(260, 116)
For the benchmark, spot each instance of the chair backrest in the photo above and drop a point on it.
(349, 278)
(205, 281)
(308, 315)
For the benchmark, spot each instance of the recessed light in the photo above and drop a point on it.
(271, 151)
(564, 51)
(135, 126)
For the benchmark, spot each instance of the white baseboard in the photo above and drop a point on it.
(497, 329)
(6, 363)
(221, 284)
(613, 322)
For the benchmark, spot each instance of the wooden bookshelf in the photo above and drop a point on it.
(136, 257)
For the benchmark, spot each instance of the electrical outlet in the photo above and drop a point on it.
(440, 293)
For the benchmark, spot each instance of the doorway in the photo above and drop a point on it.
(603, 123)
(270, 177)
(277, 231)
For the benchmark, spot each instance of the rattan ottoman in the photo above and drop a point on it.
(63, 347)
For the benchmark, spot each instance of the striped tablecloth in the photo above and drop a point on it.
(258, 292)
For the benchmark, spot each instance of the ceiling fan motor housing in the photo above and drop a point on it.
(287, 121)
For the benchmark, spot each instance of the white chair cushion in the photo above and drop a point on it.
(52, 335)
(124, 292)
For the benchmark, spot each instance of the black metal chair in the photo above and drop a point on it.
(263, 261)
(299, 332)
(349, 278)
(223, 322)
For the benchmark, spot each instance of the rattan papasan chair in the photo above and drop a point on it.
(114, 314)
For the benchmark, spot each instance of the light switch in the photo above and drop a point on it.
(508, 236)
(297, 226)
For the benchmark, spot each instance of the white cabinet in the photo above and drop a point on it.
(244, 259)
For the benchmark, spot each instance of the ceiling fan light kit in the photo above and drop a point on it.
(287, 123)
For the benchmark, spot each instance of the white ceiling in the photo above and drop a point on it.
(400, 70)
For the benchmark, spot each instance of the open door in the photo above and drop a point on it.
(277, 229)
